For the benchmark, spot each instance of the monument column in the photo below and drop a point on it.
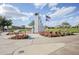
(38, 26)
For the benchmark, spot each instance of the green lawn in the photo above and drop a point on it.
(23, 30)
(73, 30)
(20, 30)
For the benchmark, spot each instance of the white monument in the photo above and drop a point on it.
(38, 26)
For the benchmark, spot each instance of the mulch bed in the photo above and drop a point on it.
(55, 34)
(19, 35)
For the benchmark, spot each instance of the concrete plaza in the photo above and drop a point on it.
(39, 45)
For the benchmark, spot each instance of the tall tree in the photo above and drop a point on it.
(9, 22)
(0, 20)
(4, 22)
(66, 25)
(77, 26)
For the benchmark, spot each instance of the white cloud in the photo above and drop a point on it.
(28, 14)
(40, 5)
(63, 11)
(53, 23)
(9, 9)
(76, 19)
(61, 15)
(52, 5)
(24, 18)
(73, 20)
(13, 12)
(54, 8)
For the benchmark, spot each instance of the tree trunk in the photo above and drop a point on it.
(3, 28)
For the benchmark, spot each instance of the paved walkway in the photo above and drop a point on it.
(39, 45)
(39, 49)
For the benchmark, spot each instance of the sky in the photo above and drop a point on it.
(23, 13)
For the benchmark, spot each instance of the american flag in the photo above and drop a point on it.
(47, 18)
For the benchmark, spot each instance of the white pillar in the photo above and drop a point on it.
(38, 26)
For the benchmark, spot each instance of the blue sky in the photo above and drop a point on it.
(23, 13)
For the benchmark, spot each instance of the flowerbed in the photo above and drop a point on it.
(10, 33)
(20, 36)
(55, 34)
